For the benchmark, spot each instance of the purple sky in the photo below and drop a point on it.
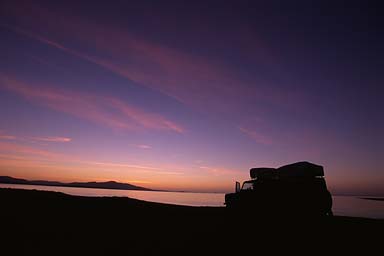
(190, 96)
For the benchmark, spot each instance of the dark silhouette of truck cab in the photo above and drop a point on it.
(294, 189)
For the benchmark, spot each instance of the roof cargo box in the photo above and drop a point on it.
(262, 173)
(300, 169)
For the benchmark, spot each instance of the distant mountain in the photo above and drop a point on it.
(93, 184)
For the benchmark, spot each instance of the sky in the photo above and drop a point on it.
(189, 95)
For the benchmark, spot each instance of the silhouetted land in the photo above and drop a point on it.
(40, 222)
(92, 184)
(373, 198)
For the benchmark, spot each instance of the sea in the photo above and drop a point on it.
(354, 206)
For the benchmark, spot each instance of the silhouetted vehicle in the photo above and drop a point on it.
(294, 189)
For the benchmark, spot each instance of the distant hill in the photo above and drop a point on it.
(93, 184)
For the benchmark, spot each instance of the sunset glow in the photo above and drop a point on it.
(155, 100)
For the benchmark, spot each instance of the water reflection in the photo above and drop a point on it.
(342, 205)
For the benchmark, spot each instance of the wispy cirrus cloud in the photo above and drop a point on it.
(20, 149)
(52, 139)
(195, 80)
(143, 146)
(218, 170)
(7, 136)
(4, 136)
(20, 152)
(108, 111)
(142, 168)
(186, 78)
(256, 136)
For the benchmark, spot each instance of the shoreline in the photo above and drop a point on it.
(372, 198)
(364, 197)
(64, 224)
(119, 189)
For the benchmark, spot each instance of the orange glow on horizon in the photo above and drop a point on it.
(31, 163)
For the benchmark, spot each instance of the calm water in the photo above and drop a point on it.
(342, 205)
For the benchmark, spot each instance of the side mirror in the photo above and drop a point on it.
(237, 186)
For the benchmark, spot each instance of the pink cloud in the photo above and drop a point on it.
(143, 168)
(52, 139)
(5, 136)
(187, 78)
(218, 170)
(195, 80)
(21, 153)
(147, 120)
(143, 146)
(254, 135)
(26, 150)
(108, 111)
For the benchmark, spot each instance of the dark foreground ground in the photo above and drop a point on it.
(50, 223)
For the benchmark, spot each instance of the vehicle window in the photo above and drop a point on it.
(247, 186)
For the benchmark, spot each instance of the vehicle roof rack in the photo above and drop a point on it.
(295, 170)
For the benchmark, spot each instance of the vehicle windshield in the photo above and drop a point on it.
(247, 186)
